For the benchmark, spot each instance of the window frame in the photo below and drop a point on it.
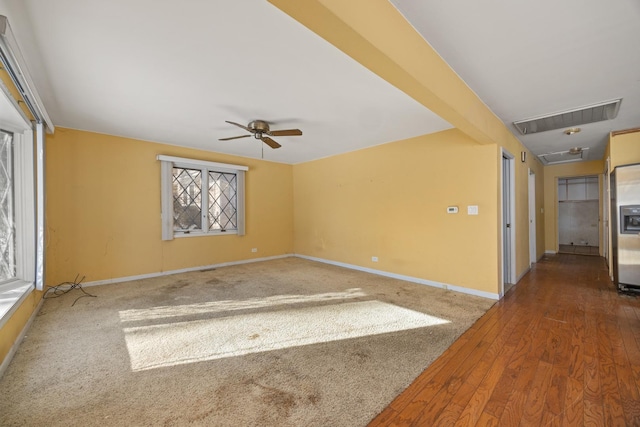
(167, 164)
(28, 130)
(14, 290)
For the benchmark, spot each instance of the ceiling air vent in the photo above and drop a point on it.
(566, 119)
(573, 155)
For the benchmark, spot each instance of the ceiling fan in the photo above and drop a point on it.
(259, 129)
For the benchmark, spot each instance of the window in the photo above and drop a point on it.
(17, 220)
(7, 219)
(582, 188)
(201, 198)
(21, 179)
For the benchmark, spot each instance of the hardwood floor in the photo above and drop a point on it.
(561, 349)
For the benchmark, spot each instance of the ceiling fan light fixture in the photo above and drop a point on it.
(572, 131)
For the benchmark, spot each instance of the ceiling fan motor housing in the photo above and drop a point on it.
(259, 126)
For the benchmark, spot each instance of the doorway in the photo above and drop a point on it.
(579, 215)
(508, 222)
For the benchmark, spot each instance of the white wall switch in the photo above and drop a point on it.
(452, 209)
(374, 258)
(472, 210)
(254, 249)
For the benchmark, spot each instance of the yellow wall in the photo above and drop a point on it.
(14, 325)
(624, 149)
(551, 175)
(390, 201)
(383, 41)
(103, 210)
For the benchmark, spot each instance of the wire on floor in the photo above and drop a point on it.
(66, 287)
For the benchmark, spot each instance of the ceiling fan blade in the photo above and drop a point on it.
(285, 132)
(239, 125)
(270, 142)
(233, 137)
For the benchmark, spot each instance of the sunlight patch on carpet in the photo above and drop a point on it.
(180, 343)
(230, 305)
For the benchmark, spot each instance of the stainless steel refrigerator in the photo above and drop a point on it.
(625, 232)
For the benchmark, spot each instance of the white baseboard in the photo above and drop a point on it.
(12, 351)
(440, 285)
(550, 252)
(182, 270)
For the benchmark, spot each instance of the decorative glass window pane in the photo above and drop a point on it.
(187, 199)
(7, 227)
(223, 201)
(201, 198)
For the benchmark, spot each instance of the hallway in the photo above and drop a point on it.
(562, 348)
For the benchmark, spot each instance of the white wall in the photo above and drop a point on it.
(578, 223)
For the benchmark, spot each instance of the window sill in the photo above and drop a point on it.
(197, 234)
(11, 296)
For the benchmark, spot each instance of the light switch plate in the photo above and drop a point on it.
(472, 210)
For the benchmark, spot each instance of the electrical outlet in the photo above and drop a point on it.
(374, 258)
(254, 249)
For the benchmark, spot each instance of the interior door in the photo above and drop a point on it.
(533, 256)
(508, 231)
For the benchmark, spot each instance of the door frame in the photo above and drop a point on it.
(557, 203)
(606, 212)
(533, 249)
(507, 209)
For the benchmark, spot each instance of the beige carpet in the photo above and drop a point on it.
(287, 342)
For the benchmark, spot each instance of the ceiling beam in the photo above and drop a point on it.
(374, 33)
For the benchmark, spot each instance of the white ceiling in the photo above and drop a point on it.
(173, 72)
(527, 59)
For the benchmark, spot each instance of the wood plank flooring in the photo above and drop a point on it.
(561, 349)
